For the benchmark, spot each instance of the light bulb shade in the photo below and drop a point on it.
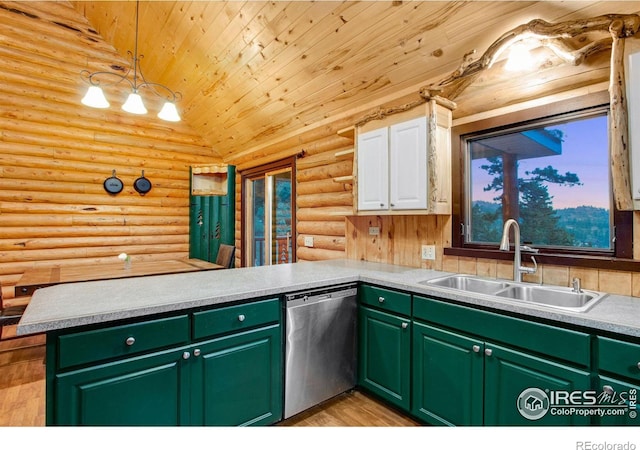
(95, 98)
(134, 104)
(169, 112)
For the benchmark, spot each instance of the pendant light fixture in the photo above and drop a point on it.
(95, 96)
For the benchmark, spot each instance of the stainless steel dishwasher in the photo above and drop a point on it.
(321, 346)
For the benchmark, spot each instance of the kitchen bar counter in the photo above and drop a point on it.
(66, 306)
(39, 277)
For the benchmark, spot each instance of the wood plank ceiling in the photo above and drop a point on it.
(254, 72)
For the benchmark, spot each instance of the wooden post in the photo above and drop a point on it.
(618, 123)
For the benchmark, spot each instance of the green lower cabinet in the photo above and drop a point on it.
(618, 401)
(385, 355)
(146, 390)
(237, 379)
(231, 380)
(509, 373)
(447, 377)
(460, 380)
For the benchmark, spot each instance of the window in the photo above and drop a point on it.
(551, 172)
(552, 176)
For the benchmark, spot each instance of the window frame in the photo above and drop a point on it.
(621, 256)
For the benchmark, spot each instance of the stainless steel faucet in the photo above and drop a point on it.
(576, 285)
(518, 268)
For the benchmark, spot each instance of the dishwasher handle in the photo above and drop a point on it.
(318, 296)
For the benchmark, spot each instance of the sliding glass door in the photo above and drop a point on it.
(268, 221)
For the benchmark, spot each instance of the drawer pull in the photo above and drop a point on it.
(381, 299)
(186, 355)
(608, 390)
(241, 317)
(196, 352)
(638, 365)
(476, 348)
(130, 341)
(404, 325)
(488, 351)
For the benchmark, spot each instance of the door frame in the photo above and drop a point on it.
(261, 171)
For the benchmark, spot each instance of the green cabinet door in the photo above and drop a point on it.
(509, 373)
(237, 379)
(619, 402)
(385, 355)
(146, 390)
(448, 375)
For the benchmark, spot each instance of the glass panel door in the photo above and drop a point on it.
(268, 212)
(256, 199)
(281, 217)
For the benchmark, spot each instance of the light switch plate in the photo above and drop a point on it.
(429, 252)
(308, 241)
(374, 231)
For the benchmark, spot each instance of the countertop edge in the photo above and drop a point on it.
(614, 314)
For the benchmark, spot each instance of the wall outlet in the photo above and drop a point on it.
(429, 252)
(308, 241)
(374, 231)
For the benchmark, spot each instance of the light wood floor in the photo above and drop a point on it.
(22, 396)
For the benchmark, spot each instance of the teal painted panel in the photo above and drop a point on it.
(448, 377)
(385, 356)
(508, 373)
(212, 221)
(147, 390)
(238, 379)
(560, 343)
(227, 319)
(111, 342)
(385, 299)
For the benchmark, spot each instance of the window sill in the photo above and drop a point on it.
(592, 262)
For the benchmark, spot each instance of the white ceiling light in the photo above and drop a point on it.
(169, 112)
(134, 104)
(520, 58)
(95, 96)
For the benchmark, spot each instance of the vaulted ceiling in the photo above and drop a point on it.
(254, 72)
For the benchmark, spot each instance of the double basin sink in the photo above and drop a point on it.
(557, 297)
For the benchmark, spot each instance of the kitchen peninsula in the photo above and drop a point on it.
(179, 317)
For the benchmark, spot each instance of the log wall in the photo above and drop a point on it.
(323, 199)
(55, 154)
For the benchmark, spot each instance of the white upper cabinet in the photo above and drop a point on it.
(403, 163)
(408, 164)
(373, 170)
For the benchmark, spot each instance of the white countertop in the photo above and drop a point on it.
(76, 304)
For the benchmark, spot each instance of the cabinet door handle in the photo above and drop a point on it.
(638, 365)
(608, 389)
(488, 351)
(381, 299)
(241, 317)
(130, 341)
(405, 325)
(392, 205)
(476, 348)
(196, 352)
(186, 355)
